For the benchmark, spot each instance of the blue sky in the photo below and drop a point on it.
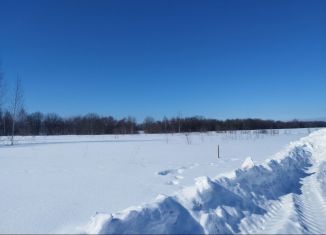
(219, 59)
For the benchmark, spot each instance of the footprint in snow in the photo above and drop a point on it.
(178, 177)
(172, 182)
(165, 172)
(176, 174)
(173, 171)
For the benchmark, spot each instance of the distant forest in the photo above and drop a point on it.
(14, 120)
(93, 124)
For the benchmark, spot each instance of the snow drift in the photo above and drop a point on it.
(240, 203)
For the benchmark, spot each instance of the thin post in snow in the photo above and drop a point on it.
(218, 151)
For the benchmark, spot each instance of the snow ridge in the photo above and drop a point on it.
(245, 203)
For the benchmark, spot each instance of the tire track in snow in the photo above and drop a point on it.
(279, 214)
(307, 209)
(280, 197)
(311, 207)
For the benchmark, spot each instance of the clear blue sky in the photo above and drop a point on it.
(219, 59)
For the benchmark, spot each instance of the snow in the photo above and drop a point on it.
(278, 197)
(248, 163)
(55, 184)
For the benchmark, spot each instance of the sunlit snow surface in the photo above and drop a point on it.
(58, 183)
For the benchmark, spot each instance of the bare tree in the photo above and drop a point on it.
(165, 121)
(1, 86)
(179, 121)
(17, 105)
(188, 138)
(2, 95)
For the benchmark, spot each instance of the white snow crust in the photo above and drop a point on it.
(285, 195)
(76, 184)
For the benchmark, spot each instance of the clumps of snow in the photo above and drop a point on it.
(248, 163)
(165, 172)
(165, 216)
(176, 174)
(178, 177)
(172, 182)
(173, 171)
(218, 205)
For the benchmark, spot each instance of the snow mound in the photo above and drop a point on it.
(165, 216)
(248, 163)
(244, 203)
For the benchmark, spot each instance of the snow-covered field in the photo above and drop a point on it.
(72, 184)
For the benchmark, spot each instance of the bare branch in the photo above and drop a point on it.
(17, 105)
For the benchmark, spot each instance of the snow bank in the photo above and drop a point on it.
(221, 205)
(166, 216)
(321, 177)
(248, 163)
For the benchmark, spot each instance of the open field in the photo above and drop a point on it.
(56, 183)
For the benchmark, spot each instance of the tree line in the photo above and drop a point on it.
(92, 124)
(14, 120)
(201, 124)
